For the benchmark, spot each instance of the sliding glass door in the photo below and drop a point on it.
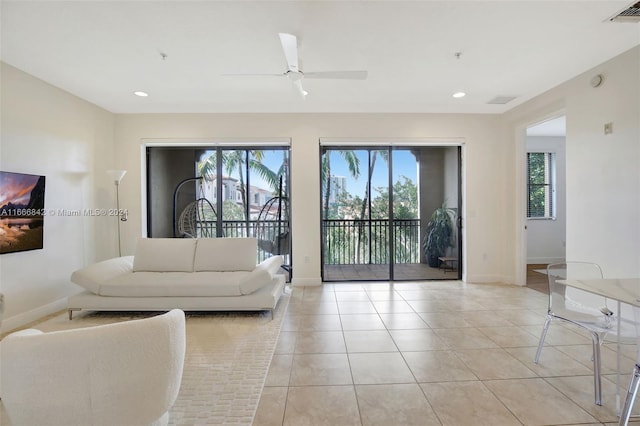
(216, 192)
(405, 201)
(355, 228)
(377, 203)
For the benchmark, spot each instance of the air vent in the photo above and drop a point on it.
(630, 14)
(501, 100)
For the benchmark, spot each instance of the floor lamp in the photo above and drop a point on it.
(117, 176)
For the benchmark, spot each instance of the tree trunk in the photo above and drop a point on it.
(365, 204)
(328, 186)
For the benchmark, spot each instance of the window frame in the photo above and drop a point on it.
(550, 182)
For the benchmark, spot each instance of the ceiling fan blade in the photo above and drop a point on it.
(347, 75)
(298, 85)
(290, 47)
(253, 75)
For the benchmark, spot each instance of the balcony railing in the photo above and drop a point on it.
(355, 241)
(346, 241)
(266, 232)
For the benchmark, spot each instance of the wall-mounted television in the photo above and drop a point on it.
(21, 212)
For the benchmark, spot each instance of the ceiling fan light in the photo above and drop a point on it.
(459, 95)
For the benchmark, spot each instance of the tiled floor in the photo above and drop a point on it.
(431, 353)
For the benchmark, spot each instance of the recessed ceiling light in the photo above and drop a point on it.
(459, 95)
(141, 94)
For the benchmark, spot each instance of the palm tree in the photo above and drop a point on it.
(365, 202)
(233, 160)
(353, 164)
(236, 159)
(273, 177)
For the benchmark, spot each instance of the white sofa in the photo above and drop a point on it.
(207, 274)
(127, 373)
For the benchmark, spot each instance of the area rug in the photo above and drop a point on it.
(226, 362)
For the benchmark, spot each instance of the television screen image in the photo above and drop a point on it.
(21, 212)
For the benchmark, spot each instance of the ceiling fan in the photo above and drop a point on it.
(296, 75)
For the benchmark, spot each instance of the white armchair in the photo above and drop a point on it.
(126, 373)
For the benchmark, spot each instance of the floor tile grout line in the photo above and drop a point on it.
(353, 384)
(574, 401)
(481, 331)
(501, 402)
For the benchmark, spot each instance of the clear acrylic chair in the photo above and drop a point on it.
(598, 321)
(632, 391)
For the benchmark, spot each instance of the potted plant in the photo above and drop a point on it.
(439, 233)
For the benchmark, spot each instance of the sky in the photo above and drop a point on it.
(404, 164)
(16, 187)
(272, 159)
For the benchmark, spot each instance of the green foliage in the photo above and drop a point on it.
(539, 203)
(536, 167)
(232, 211)
(346, 207)
(405, 200)
(405, 203)
(353, 236)
(439, 232)
(235, 161)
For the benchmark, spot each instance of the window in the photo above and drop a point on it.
(211, 189)
(541, 170)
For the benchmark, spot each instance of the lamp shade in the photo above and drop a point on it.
(116, 175)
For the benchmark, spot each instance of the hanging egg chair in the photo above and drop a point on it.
(197, 219)
(272, 226)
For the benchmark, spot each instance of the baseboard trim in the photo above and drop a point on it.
(509, 280)
(25, 318)
(306, 282)
(544, 260)
(483, 279)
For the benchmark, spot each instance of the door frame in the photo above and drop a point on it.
(390, 143)
(520, 209)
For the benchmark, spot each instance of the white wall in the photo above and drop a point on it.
(49, 132)
(485, 168)
(546, 239)
(603, 171)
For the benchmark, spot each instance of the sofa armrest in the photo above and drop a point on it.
(262, 275)
(92, 277)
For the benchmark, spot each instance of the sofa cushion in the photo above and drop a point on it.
(164, 255)
(226, 254)
(174, 284)
(261, 275)
(94, 275)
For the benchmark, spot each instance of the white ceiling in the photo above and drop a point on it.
(102, 51)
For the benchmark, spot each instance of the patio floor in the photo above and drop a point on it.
(404, 271)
